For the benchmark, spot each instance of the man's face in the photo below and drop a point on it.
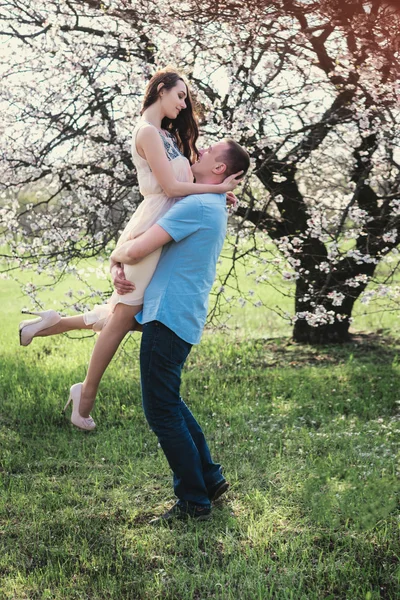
(208, 163)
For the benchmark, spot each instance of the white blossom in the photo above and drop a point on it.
(390, 236)
(336, 297)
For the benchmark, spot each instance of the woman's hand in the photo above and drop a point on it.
(229, 184)
(232, 201)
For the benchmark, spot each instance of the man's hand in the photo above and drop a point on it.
(121, 284)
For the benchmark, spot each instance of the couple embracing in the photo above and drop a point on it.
(163, 268)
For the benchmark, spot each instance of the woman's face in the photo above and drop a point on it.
(173, 100)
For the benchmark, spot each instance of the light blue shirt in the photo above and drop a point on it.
(177, 295)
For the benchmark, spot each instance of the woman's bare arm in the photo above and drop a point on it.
(149, 141)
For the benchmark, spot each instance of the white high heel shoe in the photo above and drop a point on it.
(28, 329)
(76, 419)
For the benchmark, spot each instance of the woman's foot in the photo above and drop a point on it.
(28, 329)
(86, 423)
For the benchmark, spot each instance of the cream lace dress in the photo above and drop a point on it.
(153, 207)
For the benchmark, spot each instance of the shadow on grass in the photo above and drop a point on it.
(364, 348)
(308, 440)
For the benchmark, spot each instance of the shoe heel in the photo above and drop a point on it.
(25, 311)
(68, 403)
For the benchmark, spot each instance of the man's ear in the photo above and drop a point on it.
(220, 169)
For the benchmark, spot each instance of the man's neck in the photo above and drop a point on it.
(209, 179)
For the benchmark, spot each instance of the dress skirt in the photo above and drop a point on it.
(139, 274)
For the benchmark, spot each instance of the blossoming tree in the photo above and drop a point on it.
(310, 88)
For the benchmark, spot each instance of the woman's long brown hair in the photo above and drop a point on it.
(184, 127)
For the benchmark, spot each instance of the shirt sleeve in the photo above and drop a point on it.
(182, 219)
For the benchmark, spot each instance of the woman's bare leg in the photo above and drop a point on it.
(64, 325)
(118, 325)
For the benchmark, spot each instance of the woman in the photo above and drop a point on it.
(163, 146)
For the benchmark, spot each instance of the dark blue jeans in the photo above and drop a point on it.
(162, 356)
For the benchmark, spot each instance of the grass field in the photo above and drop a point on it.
(309, 440)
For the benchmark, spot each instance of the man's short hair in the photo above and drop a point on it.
(235, 158)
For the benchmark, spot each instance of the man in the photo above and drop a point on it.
(173, 316)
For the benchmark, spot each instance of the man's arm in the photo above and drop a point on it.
(132, 251)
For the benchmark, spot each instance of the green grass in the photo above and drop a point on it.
(309, 440)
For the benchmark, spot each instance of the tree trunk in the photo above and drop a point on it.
(335, 333)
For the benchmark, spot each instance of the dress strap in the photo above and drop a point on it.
(170, 145)
(166, 135)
